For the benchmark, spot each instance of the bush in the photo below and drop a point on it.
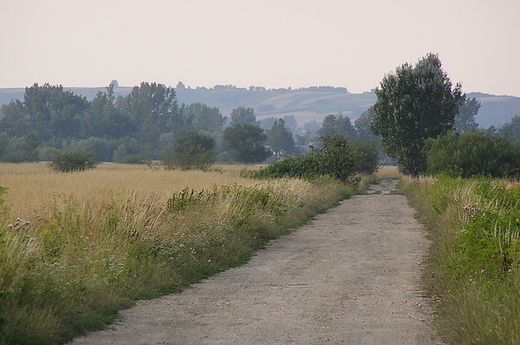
(73, 160)
(191, 152)
(471, 154)
(339, 158)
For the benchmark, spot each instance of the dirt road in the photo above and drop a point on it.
(348, 277)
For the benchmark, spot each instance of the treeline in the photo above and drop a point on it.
(181, 85)
(130, 129)
(147, 124)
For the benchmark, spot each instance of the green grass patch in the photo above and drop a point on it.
(474, 262)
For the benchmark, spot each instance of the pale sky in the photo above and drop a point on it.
(270, 43)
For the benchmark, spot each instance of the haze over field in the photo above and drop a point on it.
(290, 43)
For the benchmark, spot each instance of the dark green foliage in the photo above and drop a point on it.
(73, 160)
(29, 147)
(193, 151)
(337, 125)
(414, 104)
(104, 119)
(280, 139)
(473, 153)
(247, 140)
(47, 110)
(339, 158)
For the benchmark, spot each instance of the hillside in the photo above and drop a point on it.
(305, 105)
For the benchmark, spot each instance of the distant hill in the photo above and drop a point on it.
(305, 104)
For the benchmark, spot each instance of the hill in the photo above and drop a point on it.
(305, 104)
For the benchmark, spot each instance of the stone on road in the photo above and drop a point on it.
(351, 276)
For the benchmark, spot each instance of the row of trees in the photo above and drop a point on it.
(142, 126)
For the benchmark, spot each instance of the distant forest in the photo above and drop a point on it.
(139, 125)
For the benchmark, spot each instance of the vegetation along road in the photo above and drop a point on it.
(351, 276)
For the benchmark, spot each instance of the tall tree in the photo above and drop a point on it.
(153, 109)
(47, 110)
(200, 117)
(465, 119)
(413, 104)
(104, 119)
(363, 125)
(247, 141)
(280, 139)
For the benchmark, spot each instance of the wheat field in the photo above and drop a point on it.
(32, 186)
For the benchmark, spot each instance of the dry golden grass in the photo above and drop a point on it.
(32, 186)
(388, 171)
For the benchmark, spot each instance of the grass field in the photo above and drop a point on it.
(90, 243)
(33, 186)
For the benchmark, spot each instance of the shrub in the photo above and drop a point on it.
(73, 160)
(193, 151)
(471, 154)
(339, 158)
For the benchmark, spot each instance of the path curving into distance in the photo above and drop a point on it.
(351, 276)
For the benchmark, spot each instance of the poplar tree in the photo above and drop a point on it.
(413, 104)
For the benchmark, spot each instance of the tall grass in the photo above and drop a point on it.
(474, 264)
(90, 243)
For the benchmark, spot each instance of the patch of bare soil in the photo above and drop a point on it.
(351, 276)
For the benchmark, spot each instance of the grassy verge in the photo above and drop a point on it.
(474, 263)
(68, 266)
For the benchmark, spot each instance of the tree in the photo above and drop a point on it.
(29, 147)
(243, 115)
(363, 125)
(414, 104)
(200, 117)
(465, 119)
(104, 119)
(47, 110)
(337, 158)
(337, 125)
(193, 151)
(247, 142)
(473, 153)
(153, 109)
(73, 160)
(512, 129)
(280, 139)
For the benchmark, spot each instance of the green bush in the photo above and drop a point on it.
(471, 154)
(73, 160)
(191, 152)
(339, 158)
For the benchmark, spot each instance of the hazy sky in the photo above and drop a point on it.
(270, 43)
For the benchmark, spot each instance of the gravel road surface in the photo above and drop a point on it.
(351, 276)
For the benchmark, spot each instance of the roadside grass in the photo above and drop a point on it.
(90, 243)
(473, 268)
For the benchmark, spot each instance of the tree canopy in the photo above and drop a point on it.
(413, 104)
(337, 124)
(248, 142)
(280, 139)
